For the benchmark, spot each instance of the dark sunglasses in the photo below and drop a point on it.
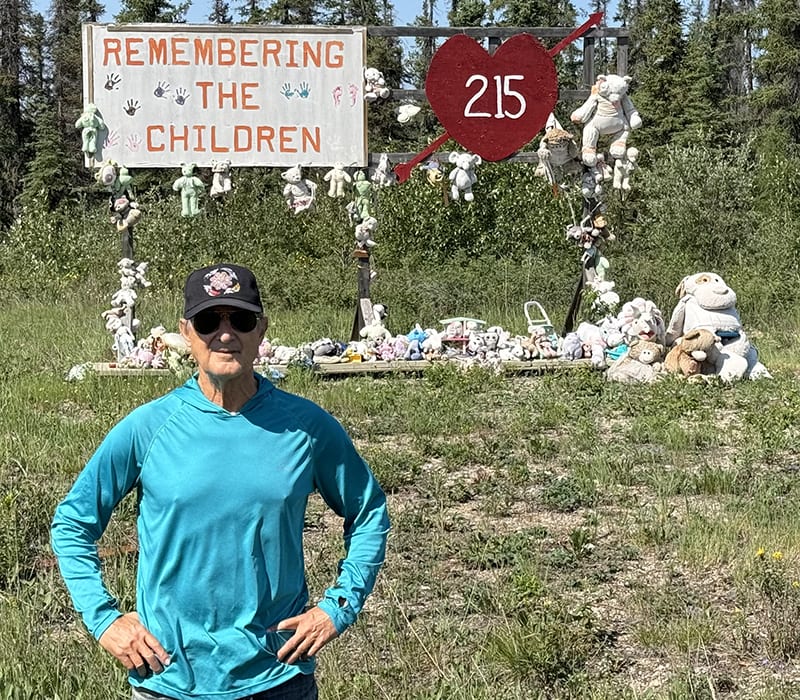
(207, 322)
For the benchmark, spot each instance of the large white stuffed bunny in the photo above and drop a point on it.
(607, 112)
(706, 301)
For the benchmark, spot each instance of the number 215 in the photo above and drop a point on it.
(503, 90)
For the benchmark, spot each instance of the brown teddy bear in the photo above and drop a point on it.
(694, 353)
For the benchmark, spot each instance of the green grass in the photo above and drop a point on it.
(553, 536)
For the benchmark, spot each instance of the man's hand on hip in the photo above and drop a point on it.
(312, 631)
(129, 641)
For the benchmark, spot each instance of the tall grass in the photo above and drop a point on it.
(553, 537)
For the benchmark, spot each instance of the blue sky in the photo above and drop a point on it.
(406, 10)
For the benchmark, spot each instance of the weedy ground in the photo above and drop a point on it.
(554, 536)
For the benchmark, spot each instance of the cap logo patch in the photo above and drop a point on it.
(220, 281)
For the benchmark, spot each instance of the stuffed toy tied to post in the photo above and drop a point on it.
(190, 186)
(462, 176)
(706, 301)
(607, 112)
(299, 193)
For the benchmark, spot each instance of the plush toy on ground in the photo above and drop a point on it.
(607, 112)
(374, 85)
(706, 301)
(462, 176)
(693, 354)
(338, 177)
(190, 186)
(90, 125)
(641, 319)
(221, 181)
(299, 193)
(376, 331)
(641, 364)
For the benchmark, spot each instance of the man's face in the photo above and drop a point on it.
(225, 352)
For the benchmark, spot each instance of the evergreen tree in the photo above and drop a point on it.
(91, 10)
(51, 174)
(420, 57)
(252, 12)
(702, 80)
(220, 13)
(534, 13)
(731, 31)
(292, 12)
(657, 52)
(468, 13)
(151, 11)
(65, 42)
(777, 71)
(11, 123)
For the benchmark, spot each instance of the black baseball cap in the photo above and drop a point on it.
(223, 284)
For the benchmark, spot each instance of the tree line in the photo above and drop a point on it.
(722, 74)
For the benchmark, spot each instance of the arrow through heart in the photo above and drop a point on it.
(492, 104)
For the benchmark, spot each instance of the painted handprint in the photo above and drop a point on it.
(131, 106)
(112, 80)
(181, 95)
(287, 91)
(133, 142)
(303, 90)
(337, 95)
(352, 90)
(112, 139)
(161, 89)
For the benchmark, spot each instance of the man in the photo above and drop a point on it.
(223, 467)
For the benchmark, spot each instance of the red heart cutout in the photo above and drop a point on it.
(492, 104)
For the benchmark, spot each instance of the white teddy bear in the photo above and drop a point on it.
(374, 85)
(463, 177)
(221, 180)
(364, 232)
(623, 167)
(338, 177)
(299, 193)
(607, 112)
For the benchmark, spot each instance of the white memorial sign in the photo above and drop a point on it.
(257, 96)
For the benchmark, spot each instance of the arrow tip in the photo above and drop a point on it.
(595, 18)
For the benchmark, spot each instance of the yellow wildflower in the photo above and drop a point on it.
(760, 553)
(777, 556)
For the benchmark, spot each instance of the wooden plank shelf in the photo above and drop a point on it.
(110, 369)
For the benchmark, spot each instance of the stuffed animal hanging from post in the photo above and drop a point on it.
(463, 177)
(623, 167)
(558, 154)
(384, 175)
(360, 208)
(190, 186)
(374, 85)
(90, 124)
(221, 180)
(338, 177)
(607, 112)
(299, 193)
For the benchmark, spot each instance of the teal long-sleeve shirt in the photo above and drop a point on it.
(222, 499)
